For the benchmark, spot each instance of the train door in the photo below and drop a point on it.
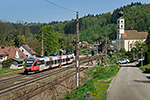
(35, 65)
(63, 58)
(55, 61)
(72, 57)
(67, 59)
(59, 60)
(39, 65)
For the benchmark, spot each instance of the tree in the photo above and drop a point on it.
(148, 41)
(147, 54)
(50, 39)
(66, 42)
(27, 33)
(134, 51)
(122, 50)
(19, 40)
(19, 27)
(34, 44)
(139, 45)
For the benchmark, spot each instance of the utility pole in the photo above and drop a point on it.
(97, 46)
(106, 47)
(141, 56)
(133, 54)
(42, 44)
(77, 52)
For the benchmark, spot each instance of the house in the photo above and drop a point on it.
(17, 63)
(26, 50)
(12, 52)
(8, 52)
(127, 38)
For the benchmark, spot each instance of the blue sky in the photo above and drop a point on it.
(42, 11)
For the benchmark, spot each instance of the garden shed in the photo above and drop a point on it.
(17, 63)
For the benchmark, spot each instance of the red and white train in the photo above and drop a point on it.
(34, 64)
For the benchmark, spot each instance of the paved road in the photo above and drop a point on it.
(130, 84)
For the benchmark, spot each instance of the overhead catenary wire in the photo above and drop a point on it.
(60, 6)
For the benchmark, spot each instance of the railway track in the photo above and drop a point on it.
(21, 77)
(15, 83)
(48, 85)
(10, 88)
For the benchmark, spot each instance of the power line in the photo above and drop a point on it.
(60, 6)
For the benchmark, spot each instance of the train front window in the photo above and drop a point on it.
(29, 62)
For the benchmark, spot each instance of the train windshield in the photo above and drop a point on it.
(29, 62)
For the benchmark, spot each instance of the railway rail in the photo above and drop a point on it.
(13, 87)
(20, 77)
(14, 83)
(49, 85)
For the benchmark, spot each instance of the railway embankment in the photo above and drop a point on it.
(94, 83)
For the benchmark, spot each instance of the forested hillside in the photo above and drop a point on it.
(137, 17)
(91, 27)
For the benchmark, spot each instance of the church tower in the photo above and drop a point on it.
(120, 29)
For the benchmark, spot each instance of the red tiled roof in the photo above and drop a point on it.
(3, 52)
(22, 55)
(133, 34)
(27, 47)
(10, 51)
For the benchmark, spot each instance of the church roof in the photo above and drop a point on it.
(133, 34)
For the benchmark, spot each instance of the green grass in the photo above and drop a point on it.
(143, 67)
(8, 70)
(79, 92)
(96, 86)
(101, 90)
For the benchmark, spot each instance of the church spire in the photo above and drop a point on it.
(120, 25)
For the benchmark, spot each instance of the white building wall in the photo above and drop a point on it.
(17, 54)
(3, 58)
(25, 51)
(120, 30)
(127, 43)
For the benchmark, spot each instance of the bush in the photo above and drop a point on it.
(122, 50)
(84, 51)
(7, 63)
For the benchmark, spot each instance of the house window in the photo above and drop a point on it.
(1, 57)
(121, 26)
(122, 21)
(22, 50)
(130, 45)
(133, 44)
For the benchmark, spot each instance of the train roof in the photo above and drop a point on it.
(41, 56)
